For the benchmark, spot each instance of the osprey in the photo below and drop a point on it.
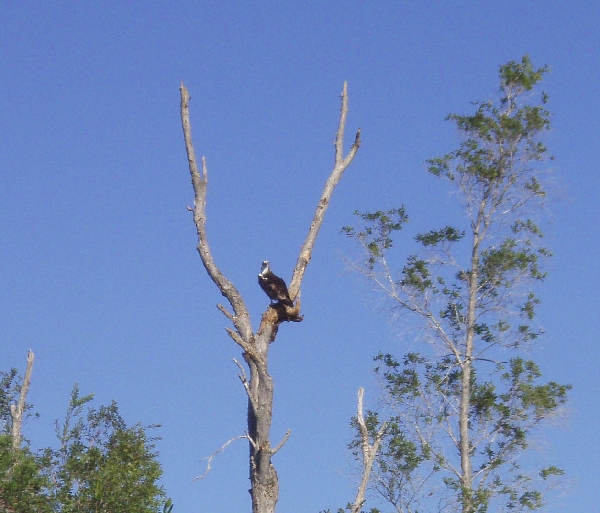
(273, 285)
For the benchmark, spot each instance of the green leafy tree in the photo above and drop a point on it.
(9, 391)
(461, 411)
(22, 483)
(103, 465)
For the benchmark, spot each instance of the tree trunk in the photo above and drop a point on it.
(264, 482)
(263, 477)
(465, 399)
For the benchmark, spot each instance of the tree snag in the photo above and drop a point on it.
(17, 410)
(259, 389)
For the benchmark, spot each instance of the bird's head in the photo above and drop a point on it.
(265, 267)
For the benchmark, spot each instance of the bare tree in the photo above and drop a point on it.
(255, 346)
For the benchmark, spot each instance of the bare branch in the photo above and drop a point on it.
(340, 166)
(236, 338)
(242, 374)
(16, 411)
(243, 379)
(226, 313)
(283, 441)
(210, 458)
(252, 441)
(199, 182)
(369, 452)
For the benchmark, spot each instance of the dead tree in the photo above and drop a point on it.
(17, 410)
(255, 346)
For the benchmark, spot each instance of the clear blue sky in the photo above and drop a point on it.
(99, 273)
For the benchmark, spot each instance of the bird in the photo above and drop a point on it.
(273, 285)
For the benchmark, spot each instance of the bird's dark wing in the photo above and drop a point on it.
(275, 288)
(283, 294)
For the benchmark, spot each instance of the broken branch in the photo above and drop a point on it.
(283, 441)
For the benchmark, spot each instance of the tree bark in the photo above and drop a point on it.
(264, 482)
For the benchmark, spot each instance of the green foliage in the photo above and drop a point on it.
(103, 465)
(8, 393)
(499, 141)
(22, 483)
(376, 234)
(435, 237)
(517, 78)
(425, 392)
(469, 290)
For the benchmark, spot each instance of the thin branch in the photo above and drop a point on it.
(210, 458)
(252, 441)
(283, 441)
(243, 379)
(250, 351)
(340, 166)
(16, 411)
(242, 374)
(226, 313)
(236, 338)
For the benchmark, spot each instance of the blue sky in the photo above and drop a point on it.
(99, 273)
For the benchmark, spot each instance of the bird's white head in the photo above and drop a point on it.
(264, 268)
